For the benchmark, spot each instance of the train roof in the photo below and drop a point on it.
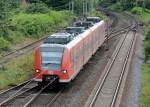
(75, 30)
(86, 24)
(84, 34)
(93, 19)
(67, 37)
(59, 38)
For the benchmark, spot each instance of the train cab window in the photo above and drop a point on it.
(51, 57)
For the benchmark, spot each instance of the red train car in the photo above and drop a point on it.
(65, 60)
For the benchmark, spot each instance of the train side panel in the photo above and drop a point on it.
(84, 46)
(37, 65)
(76, 56)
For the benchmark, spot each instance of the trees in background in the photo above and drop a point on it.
(78, 6)
(37, 8)
(126, 4)
(6, 6)
(147, 4)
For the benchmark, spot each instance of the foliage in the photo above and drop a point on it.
(145, 93)
(147, 4)
(98, 13)
(17, 70)
(137, 10)
(6, 6)
(34, 25)
(24, 25)
(53, 3)
(4, 45)
(127, 4)
(106, 3)
(147, 48)
(37, 8)
(124, 4)
(117, 6)
(147, 43)
(147, 33)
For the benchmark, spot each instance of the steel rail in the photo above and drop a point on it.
(123, 71)
(12, 88)
(107, 72)
(54, 98)
(14, 96)
(16, 93)
(131, 27)
(134, 29)
(36, 96)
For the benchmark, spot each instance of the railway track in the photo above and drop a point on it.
(24, 94)
(113, 32)
(44, 99)
(14, 92)
(106, 91)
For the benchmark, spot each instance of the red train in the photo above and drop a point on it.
(63, 55)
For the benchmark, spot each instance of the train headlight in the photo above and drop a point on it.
(37, 71)
(64, 71)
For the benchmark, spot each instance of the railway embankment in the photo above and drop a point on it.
(144, 16)
(137, 88)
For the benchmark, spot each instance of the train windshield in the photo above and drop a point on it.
(51, 57)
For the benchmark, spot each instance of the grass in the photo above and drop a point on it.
(146, 16)
(16, 71)
(143, 14)
(145, 91)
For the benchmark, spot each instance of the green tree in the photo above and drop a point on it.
(6, 6)
(4, 45)
(37, 8)
(126, 4)
(147, 4)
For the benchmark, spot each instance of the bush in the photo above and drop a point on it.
(35, 25)
(147, 42)
(117, 7)
(147, 33)
(37, 8)
(137, 10)
(147, 49)
(4, 45)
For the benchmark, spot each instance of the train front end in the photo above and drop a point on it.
(51, 61)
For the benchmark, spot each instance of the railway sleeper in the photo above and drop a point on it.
(46, 79)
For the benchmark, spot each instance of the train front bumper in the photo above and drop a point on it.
(63, 76)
